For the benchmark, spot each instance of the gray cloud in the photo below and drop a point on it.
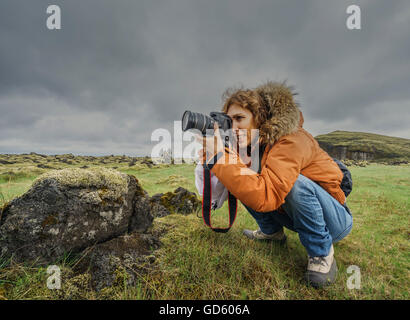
(117, 71)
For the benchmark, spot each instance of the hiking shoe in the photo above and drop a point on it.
(279, 236)
(321, 271)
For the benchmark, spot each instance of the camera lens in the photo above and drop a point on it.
(194, 120)
(185, 120)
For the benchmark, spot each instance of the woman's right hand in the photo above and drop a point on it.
(211, 145)
(201, 156)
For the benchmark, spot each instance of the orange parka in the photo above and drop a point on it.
(293, 152)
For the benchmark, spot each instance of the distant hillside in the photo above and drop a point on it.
(364, 146)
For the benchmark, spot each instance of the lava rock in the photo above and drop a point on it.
(72, 209)
(121, 258)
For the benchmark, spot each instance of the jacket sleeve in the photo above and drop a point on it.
(266, 191)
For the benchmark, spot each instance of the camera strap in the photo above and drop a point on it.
(206, 204)
(207, 194)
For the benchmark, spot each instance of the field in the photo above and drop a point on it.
(196, 263)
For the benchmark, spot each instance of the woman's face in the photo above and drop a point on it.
(242, 124)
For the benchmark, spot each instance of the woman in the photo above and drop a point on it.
(297, 185)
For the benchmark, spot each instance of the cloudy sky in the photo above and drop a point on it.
(118, 70)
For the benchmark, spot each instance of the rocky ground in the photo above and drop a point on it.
(98, 214)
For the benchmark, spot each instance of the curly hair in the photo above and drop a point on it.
(272, 105)
(248, 99)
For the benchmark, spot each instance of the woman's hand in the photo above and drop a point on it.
(211, 145)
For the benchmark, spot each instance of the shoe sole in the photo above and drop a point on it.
(281, 241)
(320, 280)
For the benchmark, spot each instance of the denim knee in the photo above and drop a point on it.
(301, 188)
(345, 232)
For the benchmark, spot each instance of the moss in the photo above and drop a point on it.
(77, 287)
(120, 200)
(2, 293)
(139, 190)
(168, 201)
(193, 199)
(111, 184)
(102, 192)
(106, 293)
(120, 277)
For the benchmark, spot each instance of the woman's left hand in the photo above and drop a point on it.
(212, 145)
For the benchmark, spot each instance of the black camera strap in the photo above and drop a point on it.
(207, 199)
(206, 204)
(207, 194)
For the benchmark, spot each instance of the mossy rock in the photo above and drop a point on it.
(110, 183)
(69, 210)
(179, 201)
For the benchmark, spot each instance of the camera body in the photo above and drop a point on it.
(201, 122)
(224, 121)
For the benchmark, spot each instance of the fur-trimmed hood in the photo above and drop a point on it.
(279, 114)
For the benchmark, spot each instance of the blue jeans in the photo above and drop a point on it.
(313, 213)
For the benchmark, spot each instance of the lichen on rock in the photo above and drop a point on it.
(101, 214)
(111, 183)
(72, 209)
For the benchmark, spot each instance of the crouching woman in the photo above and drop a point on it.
(297, 184)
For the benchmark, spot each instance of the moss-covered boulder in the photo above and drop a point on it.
(179, 201)
(69, 210)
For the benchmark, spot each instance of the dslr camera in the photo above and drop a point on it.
(204, 123)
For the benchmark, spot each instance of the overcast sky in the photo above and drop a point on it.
(118, 70)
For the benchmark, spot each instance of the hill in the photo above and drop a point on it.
(365, 146)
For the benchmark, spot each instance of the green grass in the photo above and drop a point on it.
(206, 265)
(196, 263)
(9, 190)
(167, 178)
